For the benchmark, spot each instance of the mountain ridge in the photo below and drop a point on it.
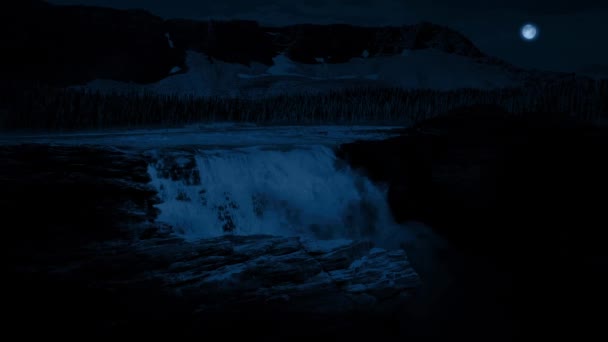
(69, 45)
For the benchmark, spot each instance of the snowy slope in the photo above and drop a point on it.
(429, 68)
(595, 71)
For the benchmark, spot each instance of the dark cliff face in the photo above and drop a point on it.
(237, 41)
(480, 167)
(524, 192)
(75, 44)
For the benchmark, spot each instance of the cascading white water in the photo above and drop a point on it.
(279, 191)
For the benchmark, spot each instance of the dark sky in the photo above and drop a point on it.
(572, 32)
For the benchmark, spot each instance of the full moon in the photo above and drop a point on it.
(529, 31)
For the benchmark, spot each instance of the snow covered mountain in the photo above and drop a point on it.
(134, 51)
(241, 58)
(429, 68)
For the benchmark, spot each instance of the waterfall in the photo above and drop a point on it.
(288, 191)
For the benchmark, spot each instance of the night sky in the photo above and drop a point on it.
(572, 32)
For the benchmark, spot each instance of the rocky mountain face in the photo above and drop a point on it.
(76, 44)
(246, 41)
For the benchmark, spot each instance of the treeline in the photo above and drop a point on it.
(40, 107)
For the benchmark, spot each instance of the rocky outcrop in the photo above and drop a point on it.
(523, 193)
(84, 248)
(235, 41)
(73, 195)
(475, 164)
(265, 273)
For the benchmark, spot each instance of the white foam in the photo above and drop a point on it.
(302, 191)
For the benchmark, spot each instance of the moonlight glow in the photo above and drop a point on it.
(529, 32)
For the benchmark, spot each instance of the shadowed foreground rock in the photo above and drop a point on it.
(525, 193)
(253, 273)
(85, 253)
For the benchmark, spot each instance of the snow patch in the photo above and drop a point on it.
(283, 66)
(169, 40)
